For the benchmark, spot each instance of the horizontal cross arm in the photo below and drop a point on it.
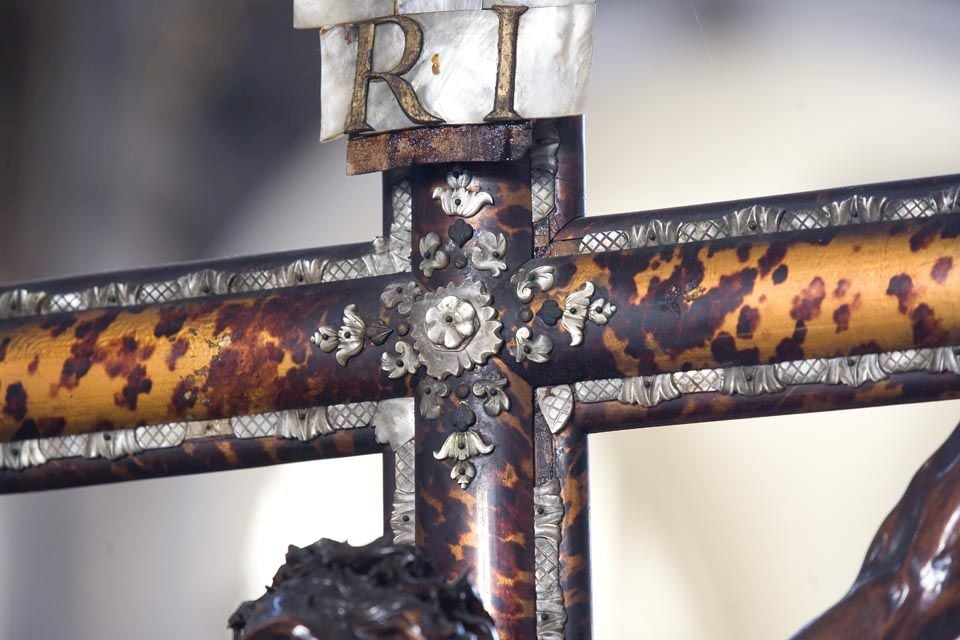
(745, 302)
(203, 359)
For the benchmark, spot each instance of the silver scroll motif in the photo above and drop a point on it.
(548, 514)
(762, 219)
(535, 349)
(347, 341)
(401, 297)
(462, 195)
(495, 400)
(853, 371)
(404, 514)
(432, 256)
(488, 253)
(387, 256)
(580, 307)
(432, 393)
(402, 362)
(537, 279)
(112, 445)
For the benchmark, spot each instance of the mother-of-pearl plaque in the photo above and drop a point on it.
(448, 61)
(310, 14)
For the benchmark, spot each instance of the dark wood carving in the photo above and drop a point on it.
(908, 587)
(332, 591)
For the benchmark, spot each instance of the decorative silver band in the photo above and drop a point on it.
(304, 425)
(403, 519)
(761, 219)
(548, 514)
(543, 165)
(387, 256)
(757, 380)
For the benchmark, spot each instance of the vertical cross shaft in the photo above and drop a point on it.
(477, 468)
(483, 525)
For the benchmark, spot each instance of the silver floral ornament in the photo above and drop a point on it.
(404, 361)
(488, 253)
(575, 313)
(462, 195)
(347, 341)
(431, 399)
(401, 296)
(433, 257)
(451, 322)
(601, 311)
(461, 447)
(533, 349)
(578, 308)
(495, 401)
(538, 279)
(351, 335)
(113, 445)
(326, 339)
(455, 329)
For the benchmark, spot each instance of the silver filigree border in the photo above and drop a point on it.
(388, 255)
(557, 405)
(403, 519)
(304, 425)
(853, 371)
(762, 219)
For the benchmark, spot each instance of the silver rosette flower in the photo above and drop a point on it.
(451, 323)
(454, 329)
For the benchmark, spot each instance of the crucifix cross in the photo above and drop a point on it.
(489, 330)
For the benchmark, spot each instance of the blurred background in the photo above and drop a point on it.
(137, 132)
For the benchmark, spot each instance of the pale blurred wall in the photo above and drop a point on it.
(730, 531)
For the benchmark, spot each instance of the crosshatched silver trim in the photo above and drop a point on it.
(544, 161)
(388, 255)
(403, 519)
(854, 371)
(761, 219)
(303, 425)
(555, 405)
